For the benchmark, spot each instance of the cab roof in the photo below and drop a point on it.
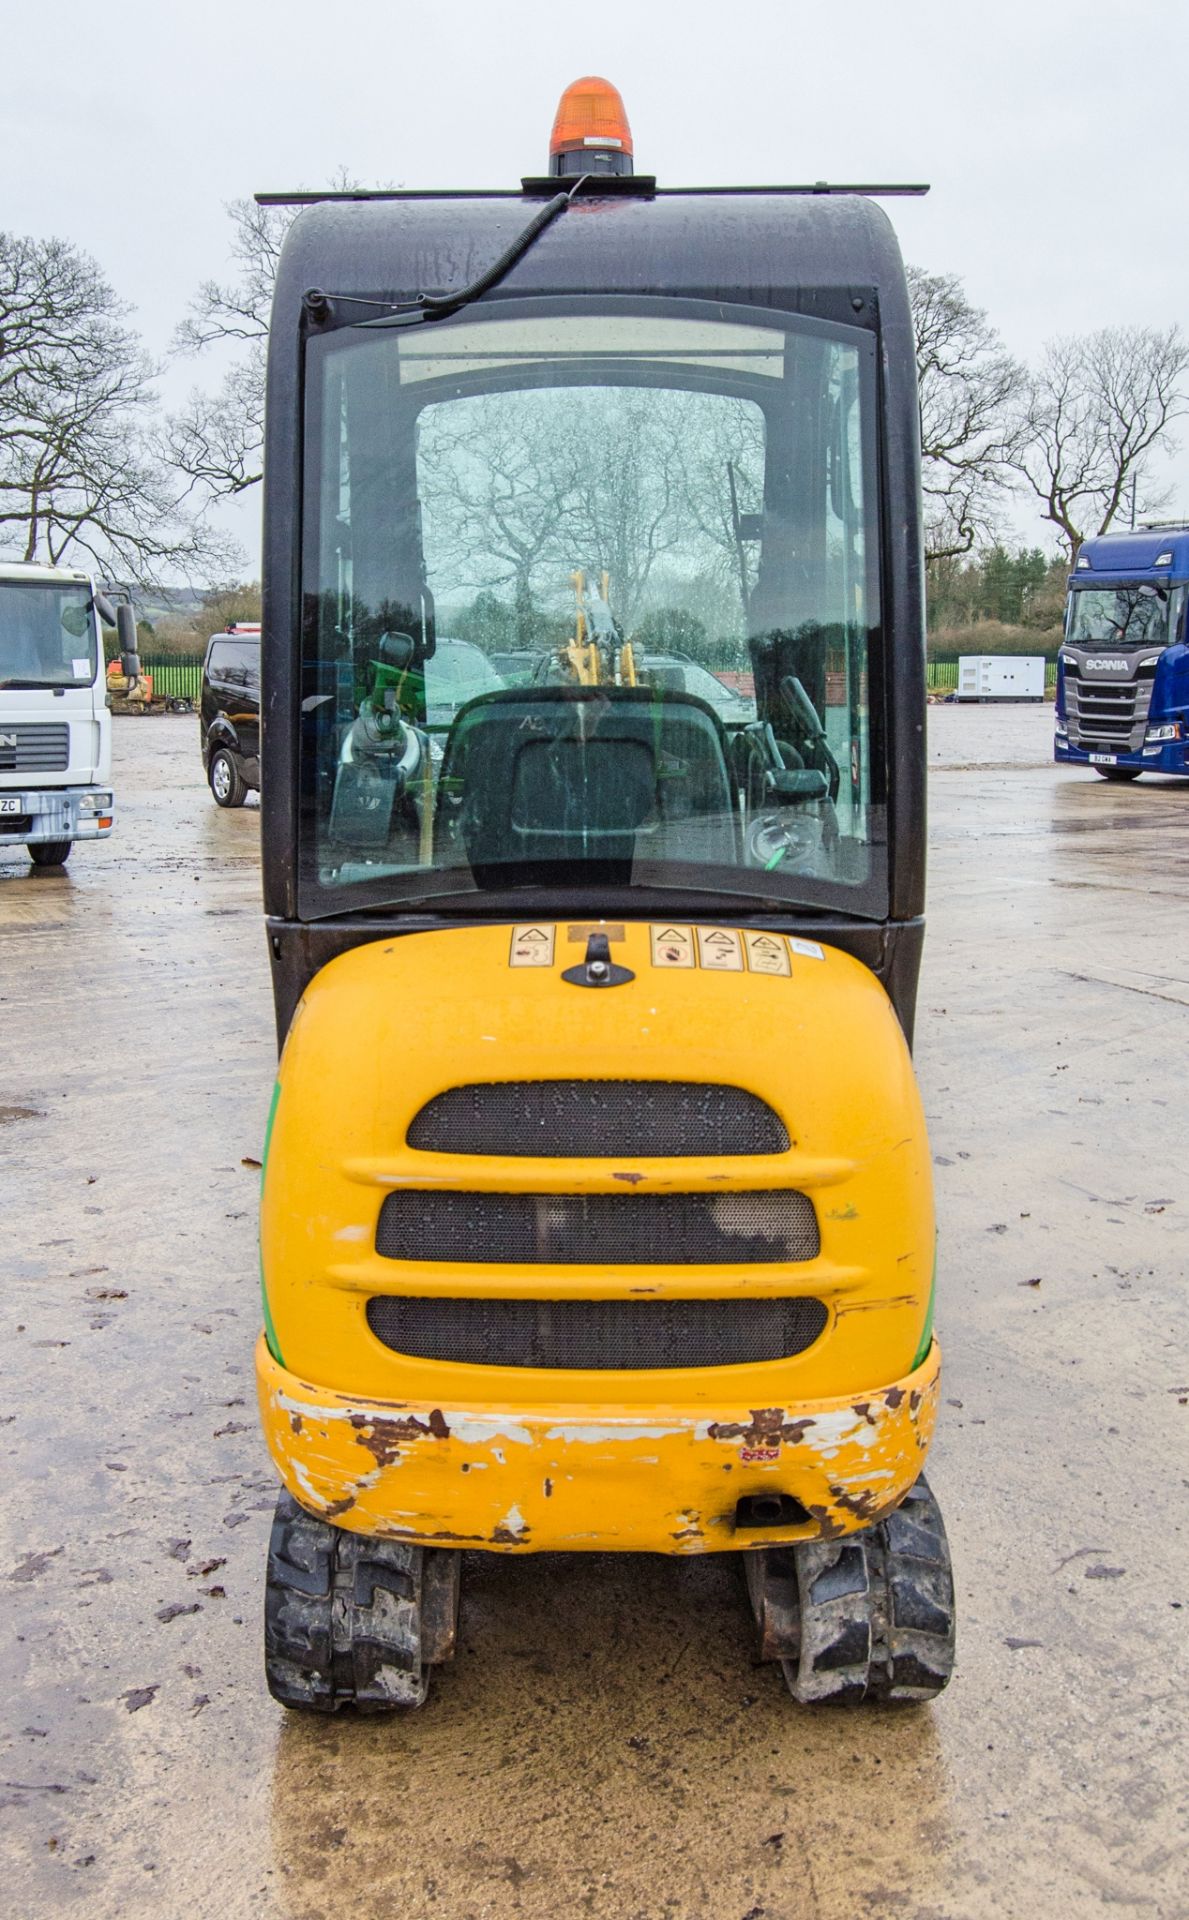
(824, 255)
(1135, 553)
(52, 576)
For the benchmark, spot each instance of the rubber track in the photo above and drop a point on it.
(341, 1617)
(877, 1610)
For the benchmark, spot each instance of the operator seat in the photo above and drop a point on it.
(536, 781)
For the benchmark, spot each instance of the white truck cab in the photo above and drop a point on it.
(55, 727)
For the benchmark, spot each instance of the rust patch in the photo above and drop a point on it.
(914, 1399)
(864, 1504)
(828, 1528)
(338, 1506)
(295, 1422)
(766, 1428)
(382, 1436)
(876, 1306)
(863, 1409)
(504, 1537)
(893, 1397)
(409, 1533)
(633, 1179)
(548, 1489)
(687, 1533)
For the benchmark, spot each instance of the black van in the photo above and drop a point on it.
(229, 714)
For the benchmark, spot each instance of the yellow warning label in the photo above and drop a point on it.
(673, 947)
(532, 946)
(720, 950)
(766, 953)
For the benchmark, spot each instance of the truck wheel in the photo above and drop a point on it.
(343, 1615)
(869, 1616)
(50, 853)
(226, 782)
(1119, 773)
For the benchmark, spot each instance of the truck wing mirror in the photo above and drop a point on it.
(126, 629)
(104, 609)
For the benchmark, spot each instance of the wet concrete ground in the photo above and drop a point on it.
(604, 1744)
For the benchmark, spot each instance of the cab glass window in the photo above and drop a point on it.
(1139, 615)
(591, 599)
(47, 634)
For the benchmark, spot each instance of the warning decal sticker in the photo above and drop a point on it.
(808, 949)
(532, 946)
(720, 950)
(766, 953)
(673, 947)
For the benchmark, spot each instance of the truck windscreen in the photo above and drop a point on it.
(47, 635)
(664, 514)
(1128, 616)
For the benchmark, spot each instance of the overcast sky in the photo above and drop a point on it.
(1053, 134)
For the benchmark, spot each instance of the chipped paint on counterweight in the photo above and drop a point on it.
(659, 1486)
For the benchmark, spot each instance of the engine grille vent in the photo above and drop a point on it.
(1107, 713)
(611, 1335)
(568, 1229)
(598, 1119)
(37, 746)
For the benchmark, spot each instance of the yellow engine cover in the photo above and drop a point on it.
(420, 1447)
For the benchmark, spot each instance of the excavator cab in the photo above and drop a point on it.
(597, 1209)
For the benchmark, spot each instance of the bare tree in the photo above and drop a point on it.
(624, 515)
(79, 473)
(499, 482)
(1090, 419)
(519, 490)
(217, 440)
(966, 381)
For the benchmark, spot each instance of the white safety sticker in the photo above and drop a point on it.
(720, 950)
(808, 949)
(766, 953)
(532, 946)
(673, 947)
(82, 669)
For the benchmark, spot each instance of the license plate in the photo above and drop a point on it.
(1104, 759)
(11, 803)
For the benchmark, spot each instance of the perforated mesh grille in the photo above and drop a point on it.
(672, 1229)
(39, 746)
(598, 1119)
(613, 1335)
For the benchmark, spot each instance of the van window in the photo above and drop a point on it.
(235, 663)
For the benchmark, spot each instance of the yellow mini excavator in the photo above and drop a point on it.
(597, 1208)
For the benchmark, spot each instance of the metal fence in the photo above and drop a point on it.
(174, 676)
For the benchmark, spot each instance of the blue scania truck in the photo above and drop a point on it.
(1123, 669)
